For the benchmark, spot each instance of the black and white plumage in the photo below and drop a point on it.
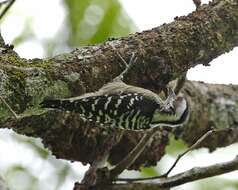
(120, 105)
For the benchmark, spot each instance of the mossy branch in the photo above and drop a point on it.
(163, 53)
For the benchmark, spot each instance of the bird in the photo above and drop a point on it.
(128, 107)
(125, 106)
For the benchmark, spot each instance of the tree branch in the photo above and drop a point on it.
(182, 178)
(10, 3)
(164, 53)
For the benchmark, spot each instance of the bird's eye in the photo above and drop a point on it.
(168, 110)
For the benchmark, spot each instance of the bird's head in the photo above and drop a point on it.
(172, 113)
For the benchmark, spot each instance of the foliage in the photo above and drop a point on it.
(94, 21)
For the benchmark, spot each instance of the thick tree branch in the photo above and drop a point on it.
(213, 106)
(163, 53)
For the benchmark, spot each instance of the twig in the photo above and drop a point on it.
(6, 8)
(195, 145)
(184, 177)
(128, 66)
(133, 155)
(3, 2)
(119, 55)
(200, 173)
(10, 109)
(181, 178)
(197, 3)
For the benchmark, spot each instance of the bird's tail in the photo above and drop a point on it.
(56, 104)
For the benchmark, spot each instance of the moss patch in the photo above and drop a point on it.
(16, 84)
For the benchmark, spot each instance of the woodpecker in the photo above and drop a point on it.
(118, 104)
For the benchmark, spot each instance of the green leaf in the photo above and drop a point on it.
(175, 146)
(94, 21)
(149, 172)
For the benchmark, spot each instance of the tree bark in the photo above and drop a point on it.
(163, 53)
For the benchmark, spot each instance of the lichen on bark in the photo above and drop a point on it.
(163, 54)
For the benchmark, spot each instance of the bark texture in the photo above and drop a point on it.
(163, 53)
